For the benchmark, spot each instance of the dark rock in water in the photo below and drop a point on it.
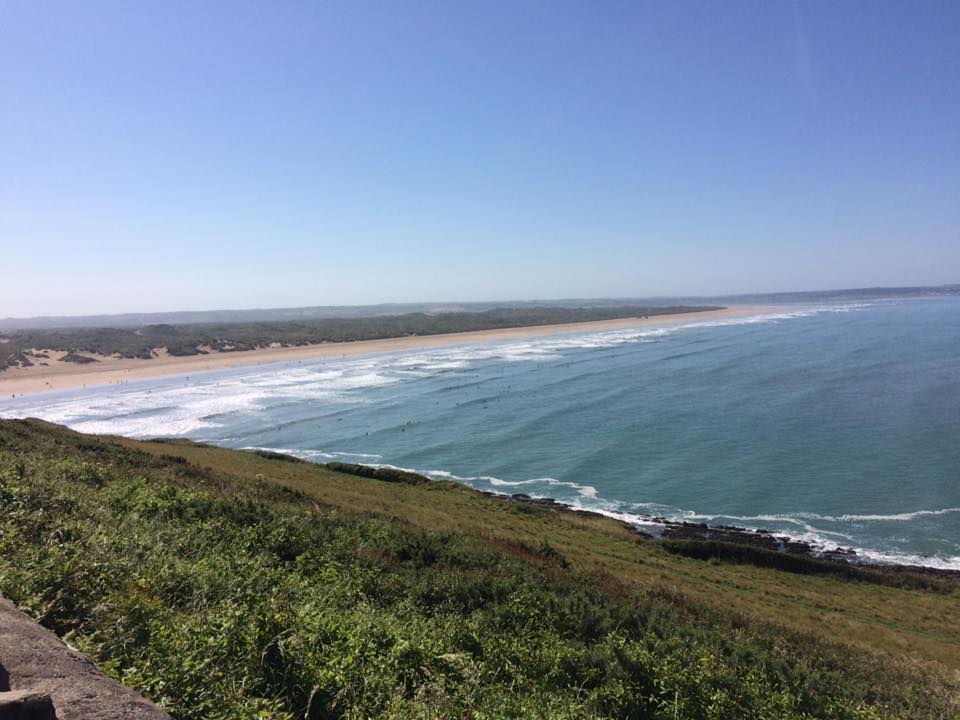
(379, 473)
(544, 503)
(840, 553)
(797, 547)
(550, 503)
(737, 535)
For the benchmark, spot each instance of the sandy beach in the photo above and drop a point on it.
(59, 375)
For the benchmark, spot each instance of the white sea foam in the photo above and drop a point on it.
(818, 539)
(547, 347)
(940, 563)
(587, 491)
(800, 516)
(139, 413)
(181, 407)
(896, 517)
(319, 455)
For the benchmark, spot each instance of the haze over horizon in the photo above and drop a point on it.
(177, 157)
(133, 317)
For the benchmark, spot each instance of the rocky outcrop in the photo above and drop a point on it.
(37, 667)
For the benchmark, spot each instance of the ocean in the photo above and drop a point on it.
(837, 424)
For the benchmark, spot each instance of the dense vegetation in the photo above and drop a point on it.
(225, 584)
(194, 339)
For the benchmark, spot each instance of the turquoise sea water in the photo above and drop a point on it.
(837, 424)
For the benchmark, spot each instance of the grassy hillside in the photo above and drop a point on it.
(226, 584)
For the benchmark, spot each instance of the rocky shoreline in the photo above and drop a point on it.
(760, 539)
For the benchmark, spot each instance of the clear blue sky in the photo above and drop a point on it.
(167, 155)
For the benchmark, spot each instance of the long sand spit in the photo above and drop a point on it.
(60, 375)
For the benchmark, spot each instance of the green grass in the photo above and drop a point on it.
(226, 584)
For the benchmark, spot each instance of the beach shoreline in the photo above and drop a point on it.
(60, 375)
